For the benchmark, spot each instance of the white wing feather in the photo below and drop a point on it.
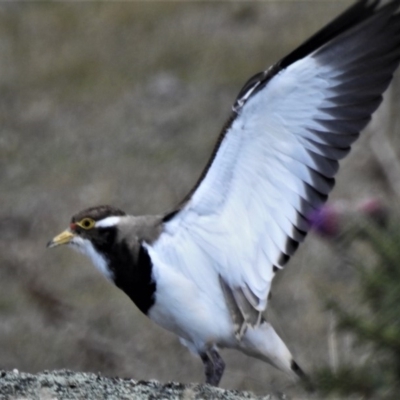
(239, 219)
(275, 164)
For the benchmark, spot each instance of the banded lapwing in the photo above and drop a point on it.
(204, 270)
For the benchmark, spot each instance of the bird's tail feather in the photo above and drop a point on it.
(264, 343)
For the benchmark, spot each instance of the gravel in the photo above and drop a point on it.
(64, 384)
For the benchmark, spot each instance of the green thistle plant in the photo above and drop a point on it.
(376, 322)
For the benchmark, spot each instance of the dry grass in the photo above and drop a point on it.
(121, 103)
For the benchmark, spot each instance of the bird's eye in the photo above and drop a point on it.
(86, 223)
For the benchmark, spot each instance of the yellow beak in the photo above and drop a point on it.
(63, 238)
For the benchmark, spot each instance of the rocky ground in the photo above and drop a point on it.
(68, 385)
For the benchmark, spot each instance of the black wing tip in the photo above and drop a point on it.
(353, 16)
(356, 14)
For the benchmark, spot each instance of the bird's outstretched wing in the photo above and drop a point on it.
(277, 156)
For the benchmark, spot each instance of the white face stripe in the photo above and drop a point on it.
(85, 246)
(107, 222)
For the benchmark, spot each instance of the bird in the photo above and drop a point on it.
(203, 269)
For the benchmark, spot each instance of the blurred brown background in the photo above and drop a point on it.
(121, 103)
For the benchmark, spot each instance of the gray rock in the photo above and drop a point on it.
(66, 385)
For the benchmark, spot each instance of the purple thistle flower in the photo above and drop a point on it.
(325, 221)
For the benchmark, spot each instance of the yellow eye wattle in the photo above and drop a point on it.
(86, 223)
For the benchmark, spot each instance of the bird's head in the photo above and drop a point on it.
(92, 232)
(90, 225)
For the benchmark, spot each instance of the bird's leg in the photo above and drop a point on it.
(219, 365)
(214, 366)
(208, 367)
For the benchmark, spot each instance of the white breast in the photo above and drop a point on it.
(195, 313)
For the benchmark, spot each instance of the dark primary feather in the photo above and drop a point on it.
(354, 16)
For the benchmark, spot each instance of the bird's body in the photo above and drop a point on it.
(188, 302)
(204, 270)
